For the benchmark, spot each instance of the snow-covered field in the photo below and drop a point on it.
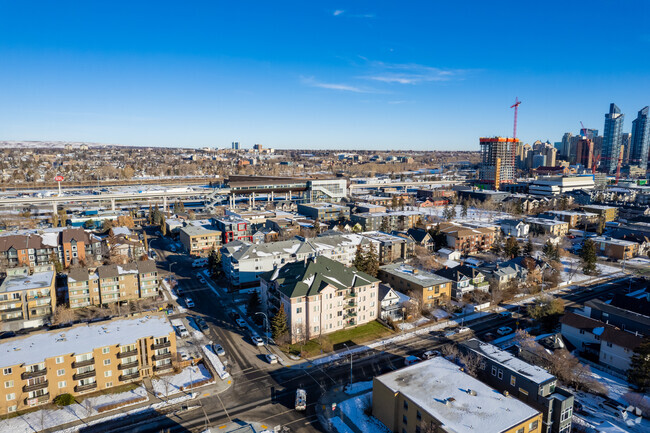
(572, 272)
(353, 410)
(358, 387)
(50, 418)
(170, 385)
(616, 388)
(412, 325)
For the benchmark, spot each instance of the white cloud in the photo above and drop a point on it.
(312, 82)
(338, 12)
(411, 73)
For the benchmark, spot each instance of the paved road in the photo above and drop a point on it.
(265, 393)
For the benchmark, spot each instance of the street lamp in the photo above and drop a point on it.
(170, 267)
(266, 319)
(346, 346)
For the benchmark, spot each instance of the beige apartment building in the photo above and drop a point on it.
(112, 283)
(320, 296)
(27, 299)
(198, 241)
(427, 288)
(36, 368)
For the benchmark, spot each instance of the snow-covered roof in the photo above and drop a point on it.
(80, 339)
(440, 388)
(38, 280)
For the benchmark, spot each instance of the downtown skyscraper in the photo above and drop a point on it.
(612, 139)
(640, 139)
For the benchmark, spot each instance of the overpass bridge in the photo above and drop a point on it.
(404, 184)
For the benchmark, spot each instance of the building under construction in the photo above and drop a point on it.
(497, 161)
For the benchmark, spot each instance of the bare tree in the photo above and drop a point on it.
(471, 363)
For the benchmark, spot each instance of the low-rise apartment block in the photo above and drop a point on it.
(27, 299)
(83, 359)
(112, 283)
(618, 249)
(387, 221)
(438, 394)
(324, 212)
(233, 228)
(320, 296)
(575, 219)
(391, 248)
(548, 227)
(428, 288)
(467, 240)
(608, 213)
(529, 383)
(198, 240)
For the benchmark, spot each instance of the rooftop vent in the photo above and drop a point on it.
(471, 392)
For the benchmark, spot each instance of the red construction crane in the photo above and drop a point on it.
(516, 107)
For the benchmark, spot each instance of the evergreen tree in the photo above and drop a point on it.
(359, 259)
(393, 202)
(529, 248)
(588, 256)
(214, 262)
(254, 303)
(639, 372)
(385, 226)
(371, 262)
(58, 267)
(145, 240)
(550, 251)
(279, 326)
(511, 249)
(150, 216)
(463, 209)
(163, 226)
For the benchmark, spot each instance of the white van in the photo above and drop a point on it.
(199, 263)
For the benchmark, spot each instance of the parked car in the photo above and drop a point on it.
(505, 314)
(411, 359)
(218, 349)
(189, 302)
(241, 323)
(172, 249)
(504, 330)
(489, 337)
(271, 358)
(430, 354)
(463, 329)
(301, 399)
(257, 340)
(200, 322)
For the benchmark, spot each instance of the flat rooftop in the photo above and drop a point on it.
(39, 280)
(79, 339)
(415, 276)
(438, 387)
(198, 231)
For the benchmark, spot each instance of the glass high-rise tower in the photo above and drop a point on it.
(640, 139)
(612, 139)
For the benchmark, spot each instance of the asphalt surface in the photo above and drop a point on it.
(265, 393)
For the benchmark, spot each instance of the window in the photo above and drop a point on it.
(521, 430)
(406, 405)
(107, 362)
(513, 380)
(59, 360)
(11, 396)
(566, 414)
(9, 384)
(609, 344)
(106, 350)
(298, 310)
(108, 373)
(109, 384)
(582, 331)
(7, 371)
(12, 409)
(500, 375)
(533, 425)
(60, 372)
(404, 419)
(494, 371)
(566, 429)
(418, 415)
(418, 429)
(62, 384)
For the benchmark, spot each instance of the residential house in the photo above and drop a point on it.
(464, 280)
(391, 303)
(320, 296)
(516, 228)
(629, 312)
(528, 383)
(428, 288)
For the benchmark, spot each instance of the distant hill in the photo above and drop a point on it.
(25, 144)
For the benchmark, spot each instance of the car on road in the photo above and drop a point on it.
(463, 329)
(505, 314)
(504, 330)
(172, 249)
(200, 322)
(189, 302)
(301, 399)
(257, 340)
(271, 358)
(489, 337)
(411, 359)
(241, 323)
(429, 354)
(218, 349)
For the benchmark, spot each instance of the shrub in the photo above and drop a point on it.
(64, 400)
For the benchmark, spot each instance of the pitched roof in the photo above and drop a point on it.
(580, 322)
(309, 277)
(78, 235)
(621, 338)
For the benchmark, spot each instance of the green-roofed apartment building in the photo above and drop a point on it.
(320, 296)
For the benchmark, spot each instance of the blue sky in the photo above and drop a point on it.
(423, 75)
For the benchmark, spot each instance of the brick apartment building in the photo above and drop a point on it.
(467, 240)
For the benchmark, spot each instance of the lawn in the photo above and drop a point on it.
(326, 343)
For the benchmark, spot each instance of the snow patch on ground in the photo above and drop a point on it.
(353, 410)
(170, 385)
(616, 388)
(420, 322)
(358, 387)
(340, 426)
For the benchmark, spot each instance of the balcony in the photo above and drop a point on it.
(79, 364)
(87, 387)
(162, 356)
(350, 314)
(86, 375)
(351, 304)
(133, 352)
(37, 400)
(131, 376)
(11, 309)
(128, 365)
(350, 295)
(161, 345)
(31, 374)
(35, 387)
(162, 367)
(33, 298)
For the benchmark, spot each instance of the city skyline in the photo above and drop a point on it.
(325, 75)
